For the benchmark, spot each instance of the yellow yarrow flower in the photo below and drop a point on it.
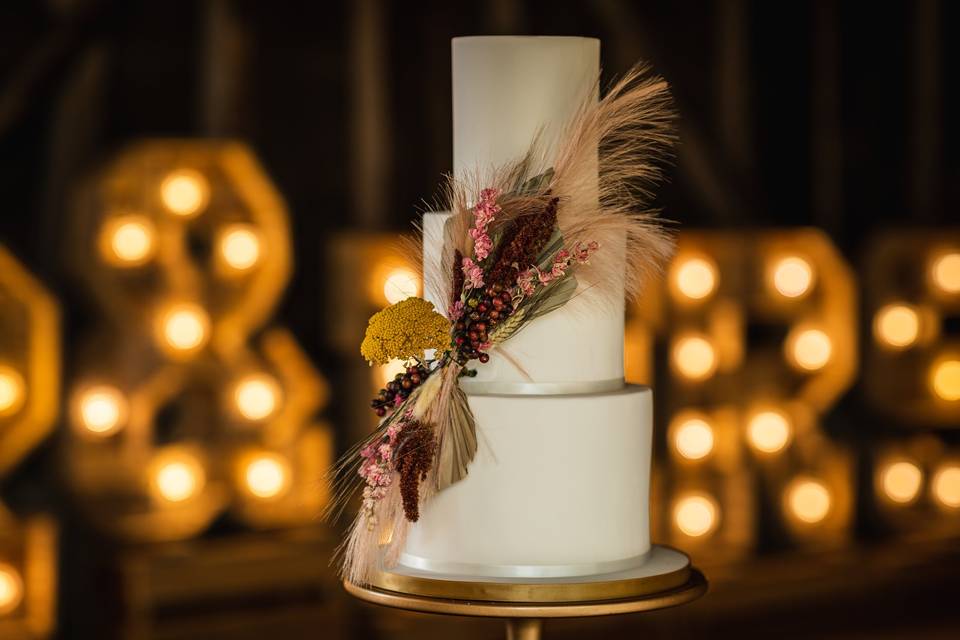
(404, 330)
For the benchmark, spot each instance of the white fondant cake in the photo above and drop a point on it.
(560, 483)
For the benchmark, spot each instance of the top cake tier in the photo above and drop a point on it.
(508, 90)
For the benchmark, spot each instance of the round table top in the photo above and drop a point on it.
(695, 587)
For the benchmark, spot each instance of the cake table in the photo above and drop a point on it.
(667, 579)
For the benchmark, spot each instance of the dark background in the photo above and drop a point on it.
(827, 114)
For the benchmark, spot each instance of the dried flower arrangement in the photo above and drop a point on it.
(532, 241)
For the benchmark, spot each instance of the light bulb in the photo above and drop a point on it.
(257, 396)
(177, 476)
(102, 410)
(792, 276)
(267, 475)
(945, 380)
(185, 192)
(240, 247)
(400, 284)
(185, 327)
(901, 481)
(694, 357)
(945, 273)
(11, 588)
(768, 431)
(808, 500)
(695, 515)
(128, 240)
(693, 438)
(695, 278)
(809, 349)
(896, 326)
(946, 486)
(12, 390)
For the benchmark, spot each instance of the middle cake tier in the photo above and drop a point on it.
(582, 342)
(559, 487)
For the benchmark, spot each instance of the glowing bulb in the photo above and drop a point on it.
(387, 372)
(810, 349)
(768, 431)
(185, 327)
(808, 500)
(792, 276)
(945, 380)
(693, 438)
(267, 475)
(696, 278)
(695, 515)
(901, 481)
(946, 486)
(694, 357)
(177, 477)
(185, 192)
(128, 240)
(11, 588)
(12, 390)
(946, 273)
(400, 284)
(240, 247)
(102, 410)
(257, 397)
(897, 326)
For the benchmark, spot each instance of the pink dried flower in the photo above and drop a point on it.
(456, 310)
(525, 282)
(582, 252)
(473, 274)
(481, 244)
(483, 214)
(545, 277)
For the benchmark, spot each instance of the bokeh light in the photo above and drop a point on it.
(945, 272)
(267, 475)
(768, 431)
(946, 486)
(184, 327)
(945, 380)
(257, 396)
(896, 326)
(102, 410)
(400, 284)
(128, 240)
(809, 349)
(692, 437)
(185, 192)
(387, 372)
(694, 357)
(12, 390)
(695, 278)
(808, 500)
(11, 588)
(695, 515)
(901, 481)
(239, 247)
(792, 276)
(176, 476)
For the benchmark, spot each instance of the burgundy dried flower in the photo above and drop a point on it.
(522, 244)
(414, 456)
(457, 289)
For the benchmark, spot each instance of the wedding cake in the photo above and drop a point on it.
(510, 447)
(560, 482)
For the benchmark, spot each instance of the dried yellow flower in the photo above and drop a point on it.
(404, 330)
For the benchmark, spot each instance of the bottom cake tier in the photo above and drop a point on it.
(559, 487)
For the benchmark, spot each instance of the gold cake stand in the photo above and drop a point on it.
(526, 603)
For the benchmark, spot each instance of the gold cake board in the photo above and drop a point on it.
(667, 579)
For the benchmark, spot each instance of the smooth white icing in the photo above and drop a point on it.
(561, 480)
